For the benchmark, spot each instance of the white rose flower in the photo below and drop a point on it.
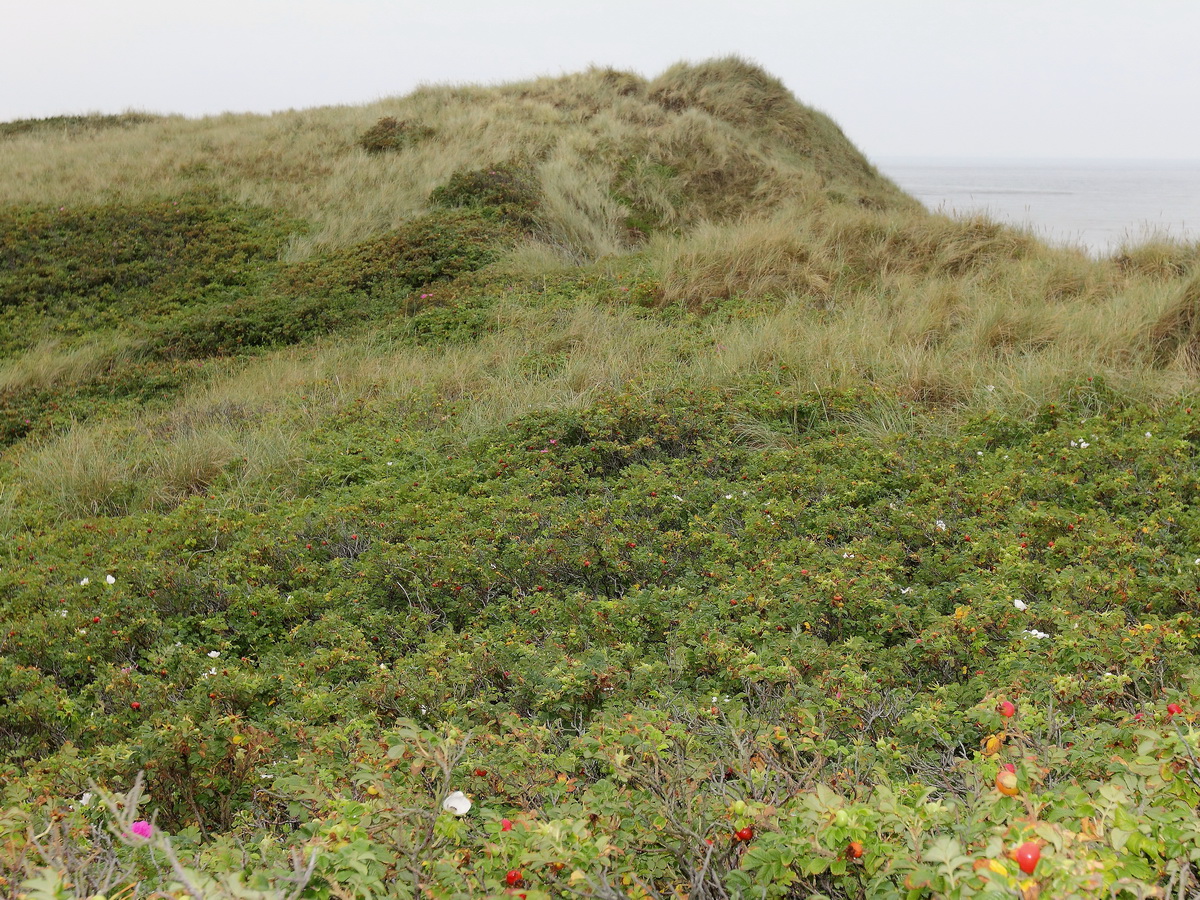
(457, 803)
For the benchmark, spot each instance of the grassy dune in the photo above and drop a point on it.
(627, 454)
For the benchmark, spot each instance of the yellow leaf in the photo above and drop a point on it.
(992, 744)
(996, 866)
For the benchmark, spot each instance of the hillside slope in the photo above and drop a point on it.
(626, 454)
(704, 141)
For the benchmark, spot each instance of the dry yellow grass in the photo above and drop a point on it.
(582, 134)
(49, 364)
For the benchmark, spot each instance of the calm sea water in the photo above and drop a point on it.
(1096, 205)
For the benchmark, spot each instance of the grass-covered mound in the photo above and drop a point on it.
(608, 151)
(75, 126)
(713, 518)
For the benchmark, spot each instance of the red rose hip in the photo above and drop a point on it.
(1028, 855)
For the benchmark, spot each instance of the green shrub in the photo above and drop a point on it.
(436, 247)
(42, 410)
(656, 636)
(369, 281)
(266, 320)
(390, 135)
(67, 272)
(509, 192)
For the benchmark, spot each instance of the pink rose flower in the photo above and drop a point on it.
(142, 828)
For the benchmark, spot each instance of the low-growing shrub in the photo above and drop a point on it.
(390, 135)
(436, 247)
(345, 289)
(509, 192)
(73, 271)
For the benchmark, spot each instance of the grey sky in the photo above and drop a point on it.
(934, 78)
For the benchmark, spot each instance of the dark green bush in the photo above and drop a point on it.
(69, 271)
(133, 385)
(266, 320)
(389, 135)
(436, 247)
(509, 192)
(347, 288)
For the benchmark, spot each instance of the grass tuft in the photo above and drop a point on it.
(1175, 335)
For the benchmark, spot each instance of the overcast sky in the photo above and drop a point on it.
(1104, 79)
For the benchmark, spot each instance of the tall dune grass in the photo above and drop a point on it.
(49, 364)
(776, 252)
(582, 134)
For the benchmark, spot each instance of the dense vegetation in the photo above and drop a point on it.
(628, 456)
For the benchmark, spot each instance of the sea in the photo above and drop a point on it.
(1098, 206)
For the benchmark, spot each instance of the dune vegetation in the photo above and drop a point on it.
(594, 486)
